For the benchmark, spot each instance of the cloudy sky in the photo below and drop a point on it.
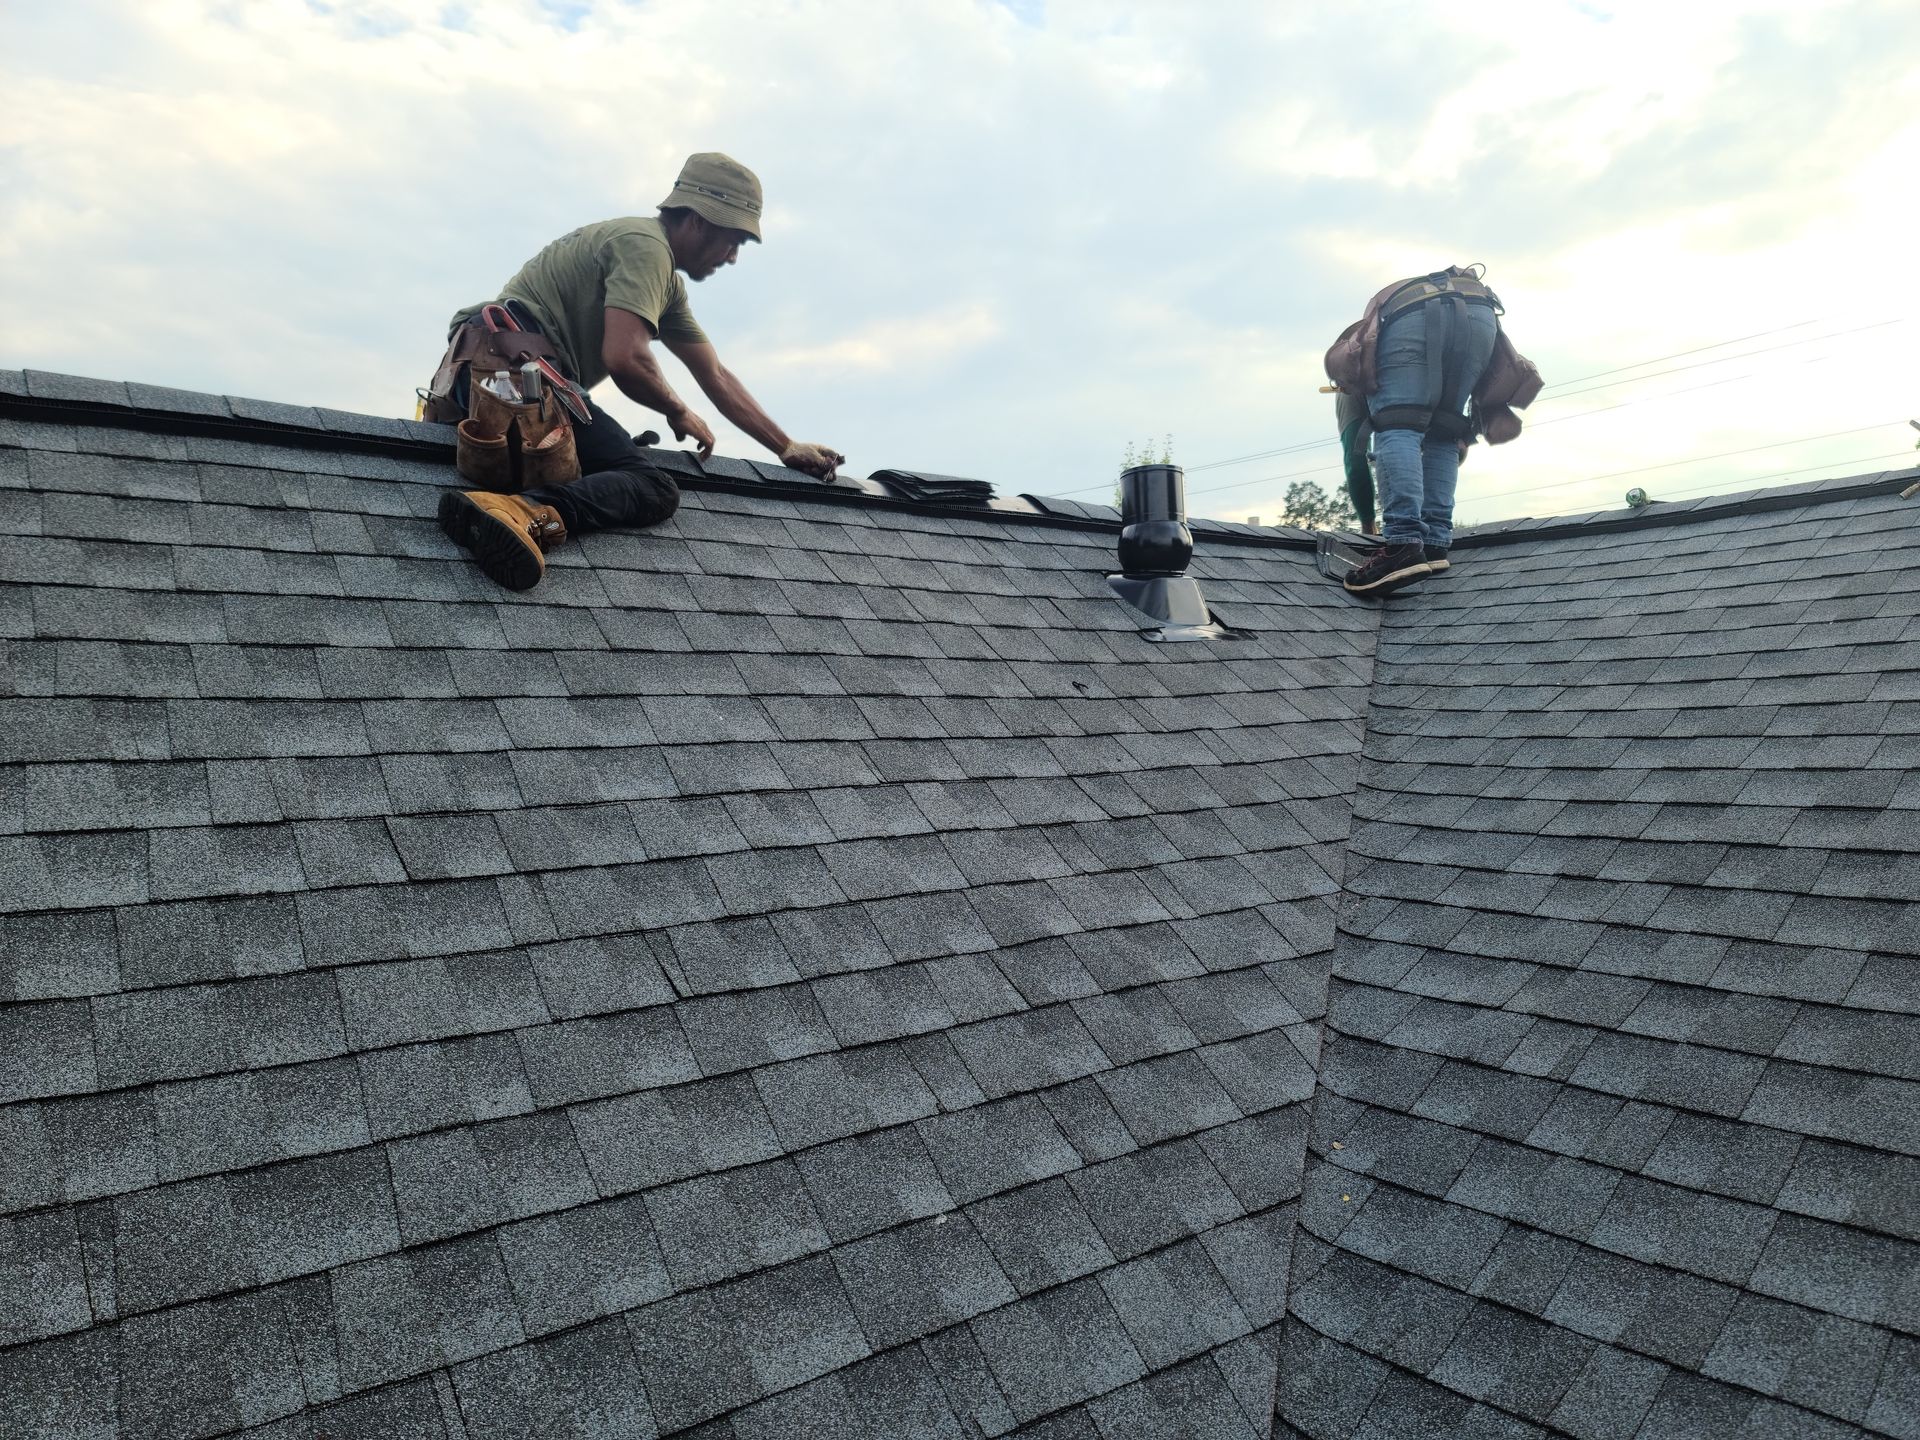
(1005, 238)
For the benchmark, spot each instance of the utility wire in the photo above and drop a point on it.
(1797, 470)
(1744, 354)
(1691, 460)
(1617, 474)
(1697, 350)
(1548, 392)
(1733, 487)
(1260, 455)
(1294, 474)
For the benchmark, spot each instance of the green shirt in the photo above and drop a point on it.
(568, 286)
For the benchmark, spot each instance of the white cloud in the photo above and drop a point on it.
(905, 343)
(1001, 240)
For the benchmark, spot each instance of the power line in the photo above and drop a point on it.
(1732, 488)
(1691, 460)
(1617, 474)
(1698, 349)
(1560, 484)
(1743, 355)
(1797, 470)
(1547, 393)
(1291, 449)
(1260, 455)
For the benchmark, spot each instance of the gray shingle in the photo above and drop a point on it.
(406, 1000)
(312, 1215)
(201, 1029)
(579, 1386)
(1870, 1278)
(1028, 1050)
(883, 1004)
(1168, 1096)
(405, 1314)
(637, 1141)
(580, 1264)
(1040, 1235)
(43, 1286)
(58, 956)
(827, 1097)
(1147, 1199)
(890, 1395)
(1623, 966)
(1174, 1304)
(216, 1365)
(716, 1226)
(706, 1353)
(729, 955)
(920, 1277)
(873, 1181)
(1826, 1364)
(1056, 1348)
(990, 1148)
(456, 1181)
(923, 927)
(414, 1088)
(1195, 1398)
(598, 975)
(606, 1055)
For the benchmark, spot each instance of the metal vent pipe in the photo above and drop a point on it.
(1154, 538)
(1155, 546)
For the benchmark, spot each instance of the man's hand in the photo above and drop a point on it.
(819, 461)
(687, 424)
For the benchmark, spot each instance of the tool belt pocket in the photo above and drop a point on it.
(509, 446)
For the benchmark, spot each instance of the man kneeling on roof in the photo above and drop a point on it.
(588, 307)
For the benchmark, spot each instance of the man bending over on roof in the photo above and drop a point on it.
(1435, 368)
(601, 295)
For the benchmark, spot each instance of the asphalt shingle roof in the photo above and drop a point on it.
(1611, 1115)
(813, 968)
(805, 969)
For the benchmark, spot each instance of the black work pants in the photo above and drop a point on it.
(617, 488)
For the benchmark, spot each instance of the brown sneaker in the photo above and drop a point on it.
(1392, 567)
(505, 533)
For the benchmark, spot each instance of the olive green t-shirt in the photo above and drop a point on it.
(625, 264)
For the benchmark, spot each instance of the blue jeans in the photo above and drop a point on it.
(1417, 473)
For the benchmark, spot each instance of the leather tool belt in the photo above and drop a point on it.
(500, 444)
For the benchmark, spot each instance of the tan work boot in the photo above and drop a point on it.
(505, 533)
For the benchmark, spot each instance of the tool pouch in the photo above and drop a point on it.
(508, 447)
(474, 347)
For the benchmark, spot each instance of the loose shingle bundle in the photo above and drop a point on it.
(931, 489)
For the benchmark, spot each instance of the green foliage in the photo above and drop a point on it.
(1311, 508)
(1147, 453)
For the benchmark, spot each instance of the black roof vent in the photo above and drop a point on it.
(1155, 546)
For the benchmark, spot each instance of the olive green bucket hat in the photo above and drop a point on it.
(718, 188)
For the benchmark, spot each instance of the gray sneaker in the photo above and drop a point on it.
(1436, 557)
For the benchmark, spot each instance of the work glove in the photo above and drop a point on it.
(819, 461)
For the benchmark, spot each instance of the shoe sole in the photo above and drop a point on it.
(503, 557)
(1436, 566)
(1391, 581)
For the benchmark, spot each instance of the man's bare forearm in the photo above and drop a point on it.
(641, 379)
(733, 400)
